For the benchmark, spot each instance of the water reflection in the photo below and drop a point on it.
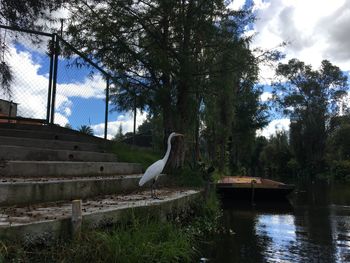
(315, 229)
(280, 231)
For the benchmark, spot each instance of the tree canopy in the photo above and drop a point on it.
(171, 57)
(310, 97)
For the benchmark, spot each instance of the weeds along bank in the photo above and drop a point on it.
(135, 239)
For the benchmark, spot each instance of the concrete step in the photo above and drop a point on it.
(45, 223)
(25, 191)
(21, 153)
(33, 127)
(49, 135)
(53, 144)
(19, 191)
(65, 169)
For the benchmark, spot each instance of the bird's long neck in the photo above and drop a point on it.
(166, 156)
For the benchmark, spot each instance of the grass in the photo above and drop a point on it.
(146, 242)
(137, 240)
(127, 153)
(152, 242)
(188, 177)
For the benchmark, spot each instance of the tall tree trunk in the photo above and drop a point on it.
(182, 124)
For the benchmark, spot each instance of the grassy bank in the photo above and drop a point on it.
(147, 242)
(136, 240)
(134, 154)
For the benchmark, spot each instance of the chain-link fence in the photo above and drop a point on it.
(46, 80)
(24, 64)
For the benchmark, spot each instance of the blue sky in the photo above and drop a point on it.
(87, 109)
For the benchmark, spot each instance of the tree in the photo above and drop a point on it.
(86, 129)
(232, 72)
(145, 127)
(250, 115)
(162, 51)
(119, 136)
(311, 97)
(276, 155)
(28, 14)
(338, 147)
(68, 126)
(338, 141)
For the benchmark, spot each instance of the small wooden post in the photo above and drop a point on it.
(253, 192)
(77, 218)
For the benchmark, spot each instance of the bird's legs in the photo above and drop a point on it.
(153, 190)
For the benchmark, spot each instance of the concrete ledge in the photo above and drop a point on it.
(18, 153)
(25, 192)
(53, 144)
(54, 222)
(37, 127)
(49, 135)
(65, 169)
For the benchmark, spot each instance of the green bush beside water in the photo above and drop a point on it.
(341, 170)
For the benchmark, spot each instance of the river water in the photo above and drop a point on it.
(314, 226)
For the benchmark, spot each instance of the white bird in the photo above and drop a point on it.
(155, 169)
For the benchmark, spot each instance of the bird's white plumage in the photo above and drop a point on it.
(154, 170)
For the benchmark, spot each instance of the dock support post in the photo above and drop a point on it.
(253, 192)
(77, 218)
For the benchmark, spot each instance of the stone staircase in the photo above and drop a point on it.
(44, 168)
(40, 164)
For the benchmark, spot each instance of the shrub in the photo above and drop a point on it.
(341, 170)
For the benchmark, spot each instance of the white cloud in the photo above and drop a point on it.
(30, 89)
(89, 88)
(60, 119)
(273, 126)
(265, 96)
(126, 120)
(260, 5)
(236, 4)
(345, 104)
(315, 30)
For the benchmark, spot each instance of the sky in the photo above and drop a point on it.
(80, 98)
(314, 29)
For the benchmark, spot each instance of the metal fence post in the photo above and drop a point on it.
(50, 80)
(106, 110)
(134, 133)
(54, 79)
